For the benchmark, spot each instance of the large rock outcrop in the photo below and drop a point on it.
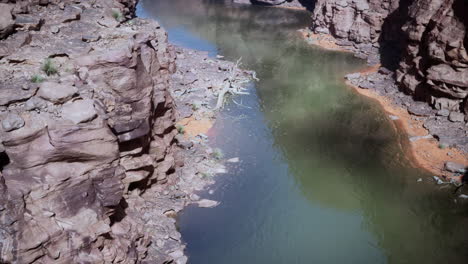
(423, 40)
(87, 127)
(435, 64)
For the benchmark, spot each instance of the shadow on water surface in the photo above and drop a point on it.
(323, 177)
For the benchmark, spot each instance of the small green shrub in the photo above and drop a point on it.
(117, 15)
(180, 129)
(217, 154)
(36, 78)
(204, 175)
(442, 146)
(195, 107)
(49, 68)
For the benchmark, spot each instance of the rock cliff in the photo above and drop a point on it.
(434, 66)
(87, 126)
(423, 40)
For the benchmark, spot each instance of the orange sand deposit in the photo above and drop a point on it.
(193, 127)
(424, 153)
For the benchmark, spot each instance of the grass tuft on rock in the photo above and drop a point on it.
(180, 129)
(442, 146)
(49, 68)
(204, 175)
(117, 15)
(36, 78)
(217, 154)
(195, 107)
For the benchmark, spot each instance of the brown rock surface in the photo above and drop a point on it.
(90, 169)
(436, 55)
(76, 148)
(429, 37)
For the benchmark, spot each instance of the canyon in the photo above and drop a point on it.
(421, 46)
(88, 127)
(94, 165)
(423, 41)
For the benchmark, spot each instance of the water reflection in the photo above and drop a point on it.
(323, 177)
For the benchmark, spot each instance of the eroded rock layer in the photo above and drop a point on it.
(87, 125)
(435, 64)
(423, 40)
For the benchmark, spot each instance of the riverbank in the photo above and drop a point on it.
(94, 167)
(194, 87)
(425, 150)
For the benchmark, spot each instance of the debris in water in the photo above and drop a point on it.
(438, 180)
(205, 203)
(233, 160)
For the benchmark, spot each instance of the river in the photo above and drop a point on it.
(322, 176)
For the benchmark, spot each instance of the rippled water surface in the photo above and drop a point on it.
(322, 177)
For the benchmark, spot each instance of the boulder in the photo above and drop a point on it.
(79, 111)
(56, 92)
(35, 103)
(456, 117)
(28, 22)
(455, 167)
(12, 122)
(14, 92)
(420, 109)
(6, 20)
(205, 203)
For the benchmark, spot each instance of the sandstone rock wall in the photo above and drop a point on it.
(87, 128)
(424, 40)
(435, 62)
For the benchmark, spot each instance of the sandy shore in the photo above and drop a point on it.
(424, 153)
(193, 127)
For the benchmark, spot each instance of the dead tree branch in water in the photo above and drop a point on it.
(232, 85)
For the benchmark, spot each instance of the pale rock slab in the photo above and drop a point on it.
(56, 92)
(79, 111)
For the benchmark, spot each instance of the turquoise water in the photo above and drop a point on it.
(322, 177)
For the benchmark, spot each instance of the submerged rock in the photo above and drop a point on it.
(205, 203)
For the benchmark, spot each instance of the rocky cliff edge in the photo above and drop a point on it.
(87, 125)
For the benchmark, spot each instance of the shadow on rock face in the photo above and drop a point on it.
(4, 160)
(460, 8)
(308, 4)
(120, 212)
(392, 41)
